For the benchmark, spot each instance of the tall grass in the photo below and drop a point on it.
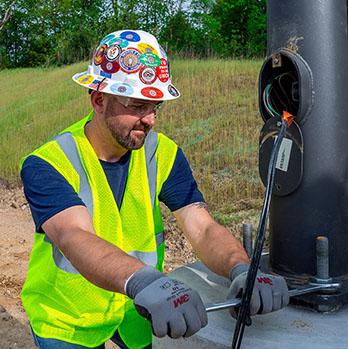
(216, 122)
(34, 105)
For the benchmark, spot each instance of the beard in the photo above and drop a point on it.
(129, 137)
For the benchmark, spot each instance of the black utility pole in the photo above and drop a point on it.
(306, 74)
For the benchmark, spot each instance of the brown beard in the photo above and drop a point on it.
(124, 139)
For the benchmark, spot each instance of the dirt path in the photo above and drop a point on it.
(16, 239)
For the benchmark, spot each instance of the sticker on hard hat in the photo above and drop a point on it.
(147, 75)
(85, 79)
(110, 67)
(98, 85)
(129, 60)
(152, 92)
(76, 76)
(105, 74)
(150, 60)
(99, 55)
(163, 53)
(130, 36)
(147, 48)
(113, 52)
(133, 63)
(119, 41)
(122, 88)
(173, 91)
(163, 71)
(107, 38)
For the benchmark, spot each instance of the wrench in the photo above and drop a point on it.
(292, 293)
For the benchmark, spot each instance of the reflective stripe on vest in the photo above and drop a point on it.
(150, 145)
(149, 258)
(69, 147)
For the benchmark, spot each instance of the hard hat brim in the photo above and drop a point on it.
(128, 88)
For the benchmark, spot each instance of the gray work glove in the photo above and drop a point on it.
(172, 307)
(270, 292)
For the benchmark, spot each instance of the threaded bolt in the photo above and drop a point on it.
(248, 239)
(322, 249)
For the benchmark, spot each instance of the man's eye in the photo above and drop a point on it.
(138, 107)
(133, 107)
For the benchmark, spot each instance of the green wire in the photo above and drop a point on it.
(268, 103)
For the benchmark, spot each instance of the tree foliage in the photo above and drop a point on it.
(242, 25)
(54, 32)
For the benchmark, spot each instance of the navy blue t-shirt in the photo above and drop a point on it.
(48, 192)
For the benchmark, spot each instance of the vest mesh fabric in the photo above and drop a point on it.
(66, 306)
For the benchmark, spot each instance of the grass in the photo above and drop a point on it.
(216, 122)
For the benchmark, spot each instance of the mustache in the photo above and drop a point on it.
(145, 129)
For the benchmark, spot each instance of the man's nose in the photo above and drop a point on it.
(149, 119)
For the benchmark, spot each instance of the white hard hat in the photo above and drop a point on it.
(130, 63)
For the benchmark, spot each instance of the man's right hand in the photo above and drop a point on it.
(270, 292)
(174, 308)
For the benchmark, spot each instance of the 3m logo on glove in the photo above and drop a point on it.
(181, 300)
(264, 280)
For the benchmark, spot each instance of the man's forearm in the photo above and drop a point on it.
(219, 250)
(100, 262)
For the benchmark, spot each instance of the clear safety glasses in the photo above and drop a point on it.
(139, 107)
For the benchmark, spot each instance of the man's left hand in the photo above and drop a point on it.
(270, 292)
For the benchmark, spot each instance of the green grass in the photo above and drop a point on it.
(34, 105)
(216, 122)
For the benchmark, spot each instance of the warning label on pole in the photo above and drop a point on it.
(284, 155)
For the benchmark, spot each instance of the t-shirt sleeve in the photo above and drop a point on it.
(46, 190)
(180, 189)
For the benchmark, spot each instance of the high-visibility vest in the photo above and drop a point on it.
(60, 302)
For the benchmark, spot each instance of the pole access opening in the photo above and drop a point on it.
(285, 83)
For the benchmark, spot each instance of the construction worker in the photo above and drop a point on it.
(95, 271)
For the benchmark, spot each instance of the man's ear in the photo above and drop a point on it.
(98, 101)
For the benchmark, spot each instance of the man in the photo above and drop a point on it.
(94, 191)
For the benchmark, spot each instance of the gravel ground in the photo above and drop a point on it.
(16, 239)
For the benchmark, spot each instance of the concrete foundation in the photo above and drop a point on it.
(288, 328)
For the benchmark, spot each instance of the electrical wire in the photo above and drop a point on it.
(283, 90)
(243, 313)
(267, 103)
(268, 99)
(275, 94)
(272, 102)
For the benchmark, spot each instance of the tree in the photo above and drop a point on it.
(206, 37)
(153, 14)
(242, 26)
(43, 32)
(7, 15)
(46, 32)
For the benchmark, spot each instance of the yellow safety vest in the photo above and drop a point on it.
(60, 302)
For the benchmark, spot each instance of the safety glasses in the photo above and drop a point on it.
(139, 107)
